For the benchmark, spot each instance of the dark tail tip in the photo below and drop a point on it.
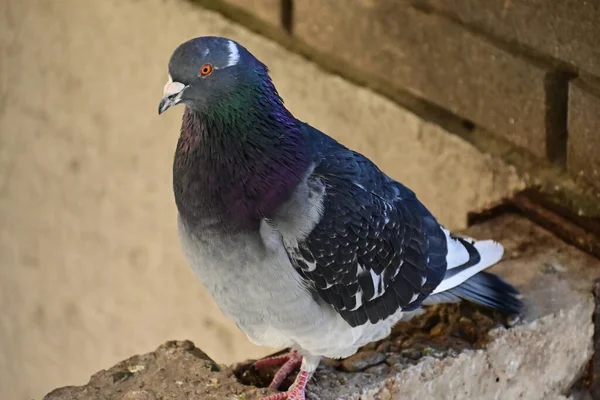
(491, 291)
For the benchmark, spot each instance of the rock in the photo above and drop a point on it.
(379, 369)
(397, 361)
(362, 360)
(176, 370)
(539, 357)
(139, 395)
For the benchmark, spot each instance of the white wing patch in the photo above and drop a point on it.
(378, 289)
(359, 302)
(376, 285)
(359, 269)
(457, 254)
(234, 54)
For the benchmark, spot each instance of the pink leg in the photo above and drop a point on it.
(295, 392)
(298, 390)
(276, 360)
(289, 362)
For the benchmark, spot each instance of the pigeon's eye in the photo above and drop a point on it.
(206, 70)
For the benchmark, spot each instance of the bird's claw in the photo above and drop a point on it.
(289, 395)
(288, 361)
(296, 392)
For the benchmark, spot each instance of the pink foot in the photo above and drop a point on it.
(289, 362)
(295, 392)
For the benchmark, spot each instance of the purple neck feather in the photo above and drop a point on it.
(237, 167)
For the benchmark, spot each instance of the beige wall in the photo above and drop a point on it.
(90, 266)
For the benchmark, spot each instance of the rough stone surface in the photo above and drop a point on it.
(538, 358)
(567, 30)
(267, 10)
(176, 370)
(434, 59)
(583, 149)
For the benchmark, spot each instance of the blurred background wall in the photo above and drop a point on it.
(90, 266)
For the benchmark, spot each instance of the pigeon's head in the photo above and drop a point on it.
(207, 69)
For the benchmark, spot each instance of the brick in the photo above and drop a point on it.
(583, 146)
(568, 30)
(268, 11)
(435, 59)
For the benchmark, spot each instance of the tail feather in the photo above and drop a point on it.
(465, 279)
(489, 290)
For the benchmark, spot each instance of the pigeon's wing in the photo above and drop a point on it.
(376, 249)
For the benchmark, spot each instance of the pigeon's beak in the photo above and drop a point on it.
(171, 95)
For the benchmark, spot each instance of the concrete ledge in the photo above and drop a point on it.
(539, 358)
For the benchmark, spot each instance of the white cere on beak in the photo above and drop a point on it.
(234, 54)
(172, 88)
(172, 94)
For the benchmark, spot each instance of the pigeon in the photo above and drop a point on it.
(304, 243)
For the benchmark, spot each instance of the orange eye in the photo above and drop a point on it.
(206, 70)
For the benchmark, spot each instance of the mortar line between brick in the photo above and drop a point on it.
(287, 15)
(556, 87)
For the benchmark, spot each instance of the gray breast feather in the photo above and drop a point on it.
(250, 276)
